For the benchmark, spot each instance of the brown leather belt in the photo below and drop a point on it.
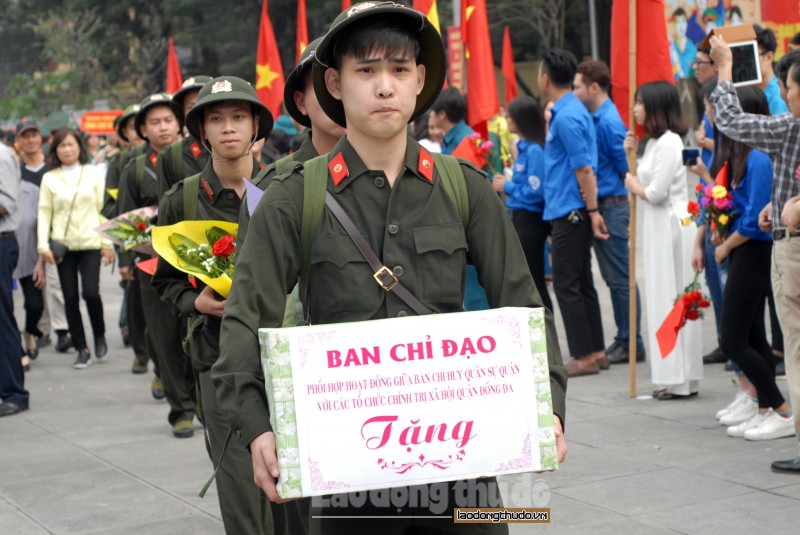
(605, 200)
(9, 234)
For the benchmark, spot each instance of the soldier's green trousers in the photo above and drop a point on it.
(136, 322)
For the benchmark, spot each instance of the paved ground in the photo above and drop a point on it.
(95, 455)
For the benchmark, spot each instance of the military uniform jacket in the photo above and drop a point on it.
(414, 227)
(116, 166)
(137, 192)
(262, 180)
(194, 158)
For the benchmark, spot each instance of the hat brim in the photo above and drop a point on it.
(294, 82)
(26, 128)
(265, 120)
(432, 55)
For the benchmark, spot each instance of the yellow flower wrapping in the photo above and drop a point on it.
(195, 231)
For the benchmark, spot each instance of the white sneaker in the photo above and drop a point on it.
(772, 426)
(740, 396)
(737, 431)
(741, 413)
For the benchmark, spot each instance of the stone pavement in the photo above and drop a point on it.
(95, 455)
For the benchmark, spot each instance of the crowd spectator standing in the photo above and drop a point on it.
(591, 86)
(661, 184)
(12, 377)
(70, 201)
(570, 203)
(778, 136)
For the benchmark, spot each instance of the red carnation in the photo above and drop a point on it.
(704, 303)
(693, 208)
(699, 187)
(692, 315)
(141, 226)
(225, 246)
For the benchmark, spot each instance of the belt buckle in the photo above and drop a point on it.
(385, 274)
(779, 233)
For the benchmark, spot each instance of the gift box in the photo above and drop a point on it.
(409, 401)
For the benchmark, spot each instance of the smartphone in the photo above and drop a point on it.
(690, 156)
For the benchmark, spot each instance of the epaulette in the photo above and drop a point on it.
(297, 167)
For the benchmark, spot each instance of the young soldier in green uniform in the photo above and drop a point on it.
(185, 157)
(158, 122)
(229, 118)
(302, 105)
(380, 65)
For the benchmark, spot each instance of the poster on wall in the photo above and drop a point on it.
(689, 21)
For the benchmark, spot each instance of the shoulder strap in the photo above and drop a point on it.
(191, 187)
(315, 186)
(452, 178)
(284, 164)
(139, 170)
(176, 151)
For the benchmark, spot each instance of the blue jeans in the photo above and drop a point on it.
(716, 276)
(612, 256)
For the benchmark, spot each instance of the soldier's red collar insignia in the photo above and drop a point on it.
(153, 159)
(196, 150)
(338, 169)
(207, 189)
(260, 166)
(425, 167)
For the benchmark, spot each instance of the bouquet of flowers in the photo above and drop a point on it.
(475, 149)
(714, 204)
(131, 230)
(203, 249)
(688, 306)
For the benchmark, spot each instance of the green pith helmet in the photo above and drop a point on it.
(432, 52)
(195, 83)
(225, 88)
(295, 81)
(119, 125)
(150, 102)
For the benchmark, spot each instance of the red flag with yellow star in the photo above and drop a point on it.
(483, 102)
(509, 73)
(174, 80)
(431, 11)
(301, 41)
(269, 72)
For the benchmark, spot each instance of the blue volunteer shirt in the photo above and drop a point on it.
(525, 190)
(452, 138)
(707, 156)
(751, 195)
(612, 163)
(571, 144)
(773, 93)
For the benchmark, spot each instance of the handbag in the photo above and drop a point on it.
(58, 248)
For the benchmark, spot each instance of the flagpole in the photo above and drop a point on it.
(632, 327)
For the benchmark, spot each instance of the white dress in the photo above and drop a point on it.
(668, 261)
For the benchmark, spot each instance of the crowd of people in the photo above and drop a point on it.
(369, 100)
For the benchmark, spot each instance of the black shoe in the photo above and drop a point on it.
(43, 341)
(613, 347)
(64, 343)
(9, 409)
(100, 348)
(620, 355)
(780, 368)
(715, 357)
(83, 360)
(792, 465)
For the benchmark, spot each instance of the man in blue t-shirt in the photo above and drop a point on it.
(570, 203)
(591, 87)
(767, 45)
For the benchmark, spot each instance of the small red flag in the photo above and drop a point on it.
(469, 149)
(652, 49)
(346, 4)
(148, 266)
(482, 100)
(174, 80)
(667, 334)
(301, 41)
(508, 67)
(269, 72)
(722, 177)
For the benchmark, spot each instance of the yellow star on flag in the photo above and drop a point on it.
(264, 76)
(303, 46)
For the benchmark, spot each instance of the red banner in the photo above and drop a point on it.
(99, 122)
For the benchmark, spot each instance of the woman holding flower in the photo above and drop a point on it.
(763, 413)
(661, 184)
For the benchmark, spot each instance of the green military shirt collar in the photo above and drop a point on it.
(210, 184)
(355, 167)
(306, 151)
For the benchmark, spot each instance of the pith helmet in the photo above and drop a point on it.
(295, 80)
(226, 88)
(195, 83)
(129, 112)
(156, 99)
(432, 52)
